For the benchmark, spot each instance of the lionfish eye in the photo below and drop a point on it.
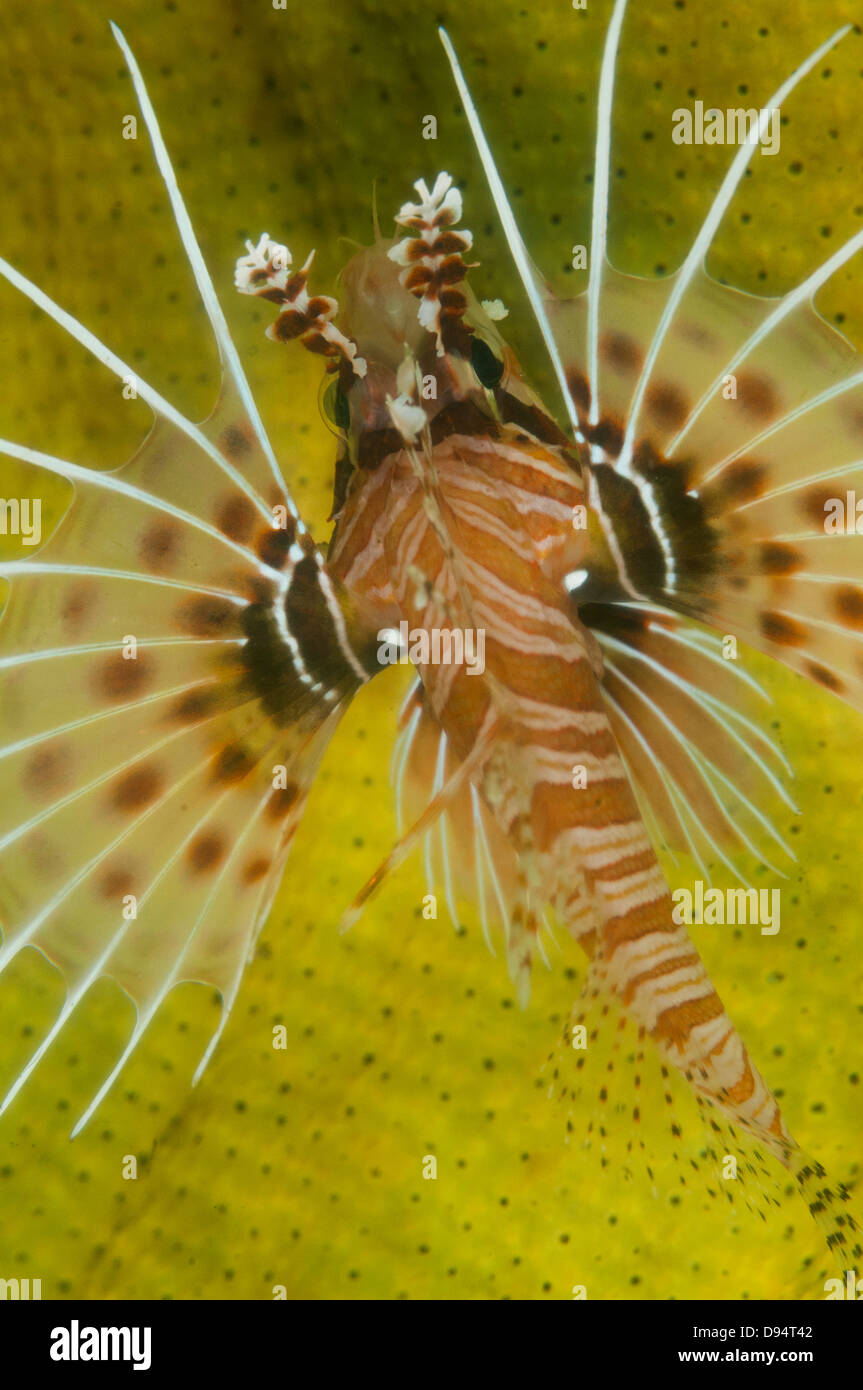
(334, 404)
(489, 369)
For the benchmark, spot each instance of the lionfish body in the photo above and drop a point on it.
(479, 532)
(204, 649)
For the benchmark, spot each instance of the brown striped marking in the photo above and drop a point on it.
(678, 1021)
(611, 850)
(655, 972)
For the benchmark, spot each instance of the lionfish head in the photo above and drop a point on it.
(411, 354)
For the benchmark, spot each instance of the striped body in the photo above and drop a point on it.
(489, 537)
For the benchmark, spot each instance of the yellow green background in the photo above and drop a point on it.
(303, 1167)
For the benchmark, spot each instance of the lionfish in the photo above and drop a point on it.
(178, 654)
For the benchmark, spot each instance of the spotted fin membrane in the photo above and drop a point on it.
(710, 511)
(150, 789)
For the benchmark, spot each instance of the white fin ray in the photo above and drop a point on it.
(21, 745)
(157, 403)
(687, 819)
(24, 936)
(695, 257)
(525, 269)
(101, 966)
(115, 773)
(227, 350)
(706, 771)
(722, 713)
(109, 482)
(146, 1015)
(802, 295)
(24, 827)
(599, 217)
